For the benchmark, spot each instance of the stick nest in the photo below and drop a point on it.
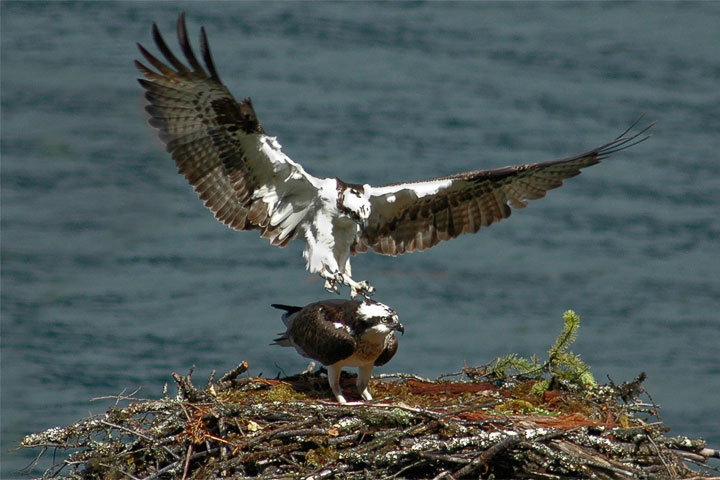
(469, 424)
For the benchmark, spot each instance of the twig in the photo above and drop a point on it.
(129, 475)
(690, 456)
(32, 464)
(443, 474)
(401, 375)
(660, 456)
(710, 453)
(444, 457)
(272, 433)
(419, 411)
(448, 375)
(487, 455)
(138, 434)
(322, 474)
(404, 469)
(176, 464)
(119, 396)
(235, 372)
(300, 432)
(162, 471)
(187, 461)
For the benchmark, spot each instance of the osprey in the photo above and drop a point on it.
(340, 333)
(241, 174)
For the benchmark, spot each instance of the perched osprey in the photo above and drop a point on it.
(340, 333)
(241, 174)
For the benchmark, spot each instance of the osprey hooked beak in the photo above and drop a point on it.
(396, 325)
(363, 224)
(362, 216)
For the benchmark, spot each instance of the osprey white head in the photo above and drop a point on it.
(354, 200)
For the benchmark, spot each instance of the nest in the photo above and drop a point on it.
(470, 424)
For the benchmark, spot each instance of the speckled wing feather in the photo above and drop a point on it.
(418, 215)
(319, 330)
(238, 172)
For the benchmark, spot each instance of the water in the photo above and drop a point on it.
(114, 275)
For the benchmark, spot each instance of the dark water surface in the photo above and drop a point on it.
(114, 274)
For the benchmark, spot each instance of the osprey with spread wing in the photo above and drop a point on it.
(241, 174)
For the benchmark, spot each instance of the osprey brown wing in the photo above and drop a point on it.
(316, 331)
(219, 145)
(418, 215)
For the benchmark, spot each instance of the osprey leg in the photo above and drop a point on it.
(334, 381)
(334, 279)
(363, 379)
(357, 288)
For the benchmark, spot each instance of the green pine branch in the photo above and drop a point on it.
(512, 362)
(567, 336)
(561, 362)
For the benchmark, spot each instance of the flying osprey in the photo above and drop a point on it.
(340, 333)
(241, 174)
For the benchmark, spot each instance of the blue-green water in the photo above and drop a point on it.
(114, 274)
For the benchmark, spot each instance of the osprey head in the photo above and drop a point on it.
(354, 200)
(375, 317)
